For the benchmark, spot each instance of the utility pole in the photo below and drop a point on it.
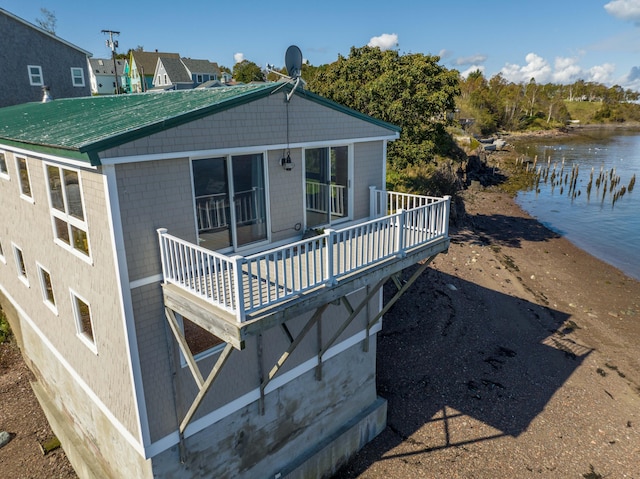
(113, 44)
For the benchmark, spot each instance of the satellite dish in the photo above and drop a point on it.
(293, 61)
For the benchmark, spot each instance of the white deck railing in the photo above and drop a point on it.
(242, 285)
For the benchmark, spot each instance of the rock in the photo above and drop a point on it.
(5, 437)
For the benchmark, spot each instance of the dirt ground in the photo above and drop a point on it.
(515, 355)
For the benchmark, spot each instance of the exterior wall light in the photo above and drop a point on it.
(286, 163)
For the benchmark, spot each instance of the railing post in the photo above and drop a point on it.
(238, 288)
(373, 211)
(445, 219)
(402, 219)
(161, 232)
(329, 238)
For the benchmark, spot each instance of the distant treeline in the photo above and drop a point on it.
(487, 106)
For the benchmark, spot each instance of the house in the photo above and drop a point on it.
(183, 73)
(32, 58)
(196, 279)
(142, 67)
(201, 70)
(103, 75)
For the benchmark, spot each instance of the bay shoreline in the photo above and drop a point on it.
(513, 355)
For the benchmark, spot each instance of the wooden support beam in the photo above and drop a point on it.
(319, 342)
(217, 367)
(402, 290)
(351, 317)
(184, 347)
(287, 332)
(260, 374)
(293, 346)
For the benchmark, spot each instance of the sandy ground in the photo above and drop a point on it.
(515, 355)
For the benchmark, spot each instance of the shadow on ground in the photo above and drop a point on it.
(460, 363)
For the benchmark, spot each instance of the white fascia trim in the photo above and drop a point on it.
(137, 446)
(198, 425)
(138, 283)
(240, 150)
(53, 158)
(126, 303)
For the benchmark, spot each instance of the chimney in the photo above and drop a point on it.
(46, 95)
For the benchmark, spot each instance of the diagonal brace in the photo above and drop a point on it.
(402, 290)
(352, 316)
(206, 386)
(184, 347)
(292, 347)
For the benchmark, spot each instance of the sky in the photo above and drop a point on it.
(559, 41)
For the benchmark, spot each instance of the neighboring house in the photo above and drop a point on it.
(170, 74)
(142, 67)
(201, 70)
(183, 73)
(32, 58)
(104, 76)
(195, 277)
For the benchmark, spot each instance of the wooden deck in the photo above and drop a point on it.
(231, 296)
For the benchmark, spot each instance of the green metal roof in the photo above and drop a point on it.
(81, 127)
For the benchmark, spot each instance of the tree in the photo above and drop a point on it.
(48, 21)
(412, 91)
(247, 72)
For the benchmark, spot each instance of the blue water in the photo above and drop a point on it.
(607, 230)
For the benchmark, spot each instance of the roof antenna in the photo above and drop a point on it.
(293, 64)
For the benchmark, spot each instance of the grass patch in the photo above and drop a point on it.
(5, 329)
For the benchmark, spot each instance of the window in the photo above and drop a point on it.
(77, 76)
(84, 324)
(65, 194)
(327, 181)
(20, 265)
(4, 173)
(35, 75)
(47, 289)
(23, 173)
(200, 341)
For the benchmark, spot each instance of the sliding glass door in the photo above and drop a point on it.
(326, 185)
(230, 201)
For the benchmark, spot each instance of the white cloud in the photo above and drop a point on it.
(472, 69)
(473, 59)
(624, 9)
(536, 67)
(565, 70)
(601, 73)
(386, 41)
(444, 53)
(238, 57)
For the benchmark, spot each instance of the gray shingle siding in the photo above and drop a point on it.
(22, 45)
